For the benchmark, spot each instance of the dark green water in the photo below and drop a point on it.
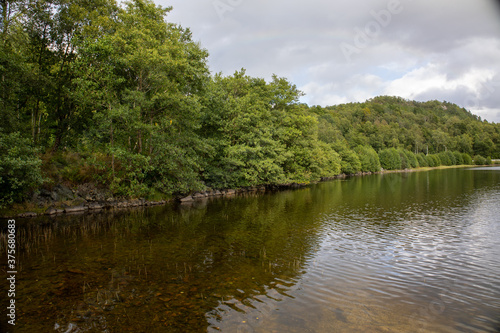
(413, 252)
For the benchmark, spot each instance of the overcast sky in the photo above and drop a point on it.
(348, 51)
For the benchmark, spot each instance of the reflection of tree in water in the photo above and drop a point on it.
(148, 270)
(231, 263)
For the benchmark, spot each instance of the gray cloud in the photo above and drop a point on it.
(349, 51)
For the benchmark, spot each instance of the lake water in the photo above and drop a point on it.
(399, 252)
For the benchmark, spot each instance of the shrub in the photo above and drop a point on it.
(325, 161)
(350, 163)
(451, 156)
(447, 158)
(368, 158)
(437, 160)
(430, 161)
(19, 168)
(433, 160)
(411, 158)
(404, 160)
(467, 159)
(390, 159)
(479, 160)
(422, 161)
(131, 177)
(459, 160)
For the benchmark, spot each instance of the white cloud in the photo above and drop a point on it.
(492, 115)
(419, 81)
(446, 50)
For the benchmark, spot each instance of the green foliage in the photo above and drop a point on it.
(422, 160)
(479, 160)
(459, 160)
(412, 159)
(118, 84)
(350, 163)
(390, 159)
(238, 122)
(451, 157)
(467, 159)
(447, 158)
(408, 159)
(431, 127)
(369, 159)
(405, 164)
(258, 134)
(146, 76)
(175, 167)
(131, 174)
(327, 161)
(19, 168)
(433, 160)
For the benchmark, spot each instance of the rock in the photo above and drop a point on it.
(75, 209)
(44, 193)
(62, 193)
(187, 199)
(123, 204)
(51, 211)
(75, 271)
(90, 192)
(27, 214)
(199, 195)
(41, 197)
(107, 204)
(230, 192)
(95, 205)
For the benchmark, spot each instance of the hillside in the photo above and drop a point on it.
(428, 127)
(115, 96)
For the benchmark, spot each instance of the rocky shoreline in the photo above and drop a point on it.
(84, 198)
(89, 198)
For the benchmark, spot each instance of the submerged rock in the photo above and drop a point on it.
(27, 214)
(187, 199)
(75, 209)
(53, 211)
(199, 195)
(95, 205)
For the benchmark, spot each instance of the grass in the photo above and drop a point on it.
(442, 167)
(71, 168)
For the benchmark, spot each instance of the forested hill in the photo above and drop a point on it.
(416, 126)
(116, 96)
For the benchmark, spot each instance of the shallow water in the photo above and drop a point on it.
(410, 252)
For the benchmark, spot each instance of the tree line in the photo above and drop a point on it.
(117, 95)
